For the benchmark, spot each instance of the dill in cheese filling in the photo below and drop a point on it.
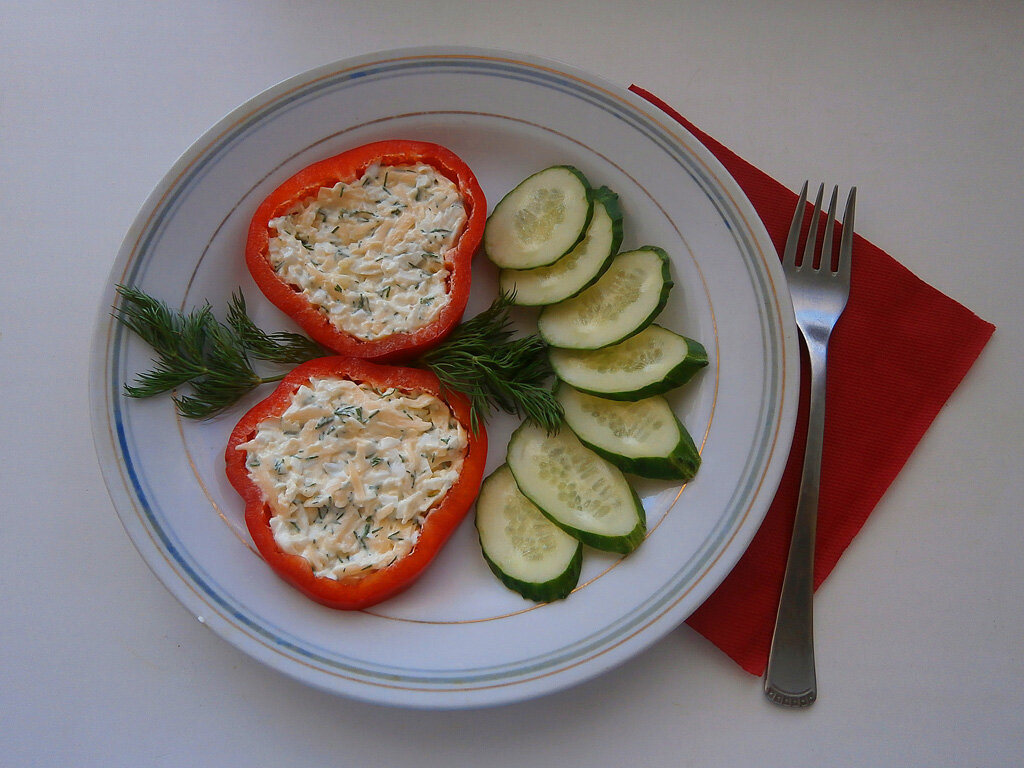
(350, 472)
(370, 254)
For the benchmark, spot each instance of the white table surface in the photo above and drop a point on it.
(920, 629)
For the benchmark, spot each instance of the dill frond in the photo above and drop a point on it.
(281, 347)
(192, 348)
(485, 361)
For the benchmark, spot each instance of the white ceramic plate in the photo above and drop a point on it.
(457, 638)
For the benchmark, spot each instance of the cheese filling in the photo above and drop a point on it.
(351, 472)
(371, 254)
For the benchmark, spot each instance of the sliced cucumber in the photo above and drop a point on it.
(583, 494)
(650, 363)
(624, 301)
(527, 552)
(643, 438)
(579, 267)
(540, 220)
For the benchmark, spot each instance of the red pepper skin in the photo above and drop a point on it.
(346, 167)
(365, 590)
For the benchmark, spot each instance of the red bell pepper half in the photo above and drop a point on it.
(371, 587)
(347, 167)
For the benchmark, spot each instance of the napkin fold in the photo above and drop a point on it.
(896, 355)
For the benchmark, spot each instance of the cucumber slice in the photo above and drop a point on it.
(527, 552)
(624, 301)
(643, 438)
(540, 220)
(583, 494)
(650, 363)
(579, 267)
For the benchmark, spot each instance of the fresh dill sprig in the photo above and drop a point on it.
(196, 349)
(482, 359)
(485, 361)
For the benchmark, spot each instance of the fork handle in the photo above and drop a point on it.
(790, 677)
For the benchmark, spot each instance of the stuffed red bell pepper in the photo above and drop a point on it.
(369, 251)
(354, 475)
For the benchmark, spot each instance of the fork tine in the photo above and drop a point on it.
(825, 260)
(812, 231)
(846, 241)
(789, 257)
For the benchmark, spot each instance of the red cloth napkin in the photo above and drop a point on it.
(898, 352)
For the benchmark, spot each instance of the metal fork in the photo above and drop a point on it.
(819, 294)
